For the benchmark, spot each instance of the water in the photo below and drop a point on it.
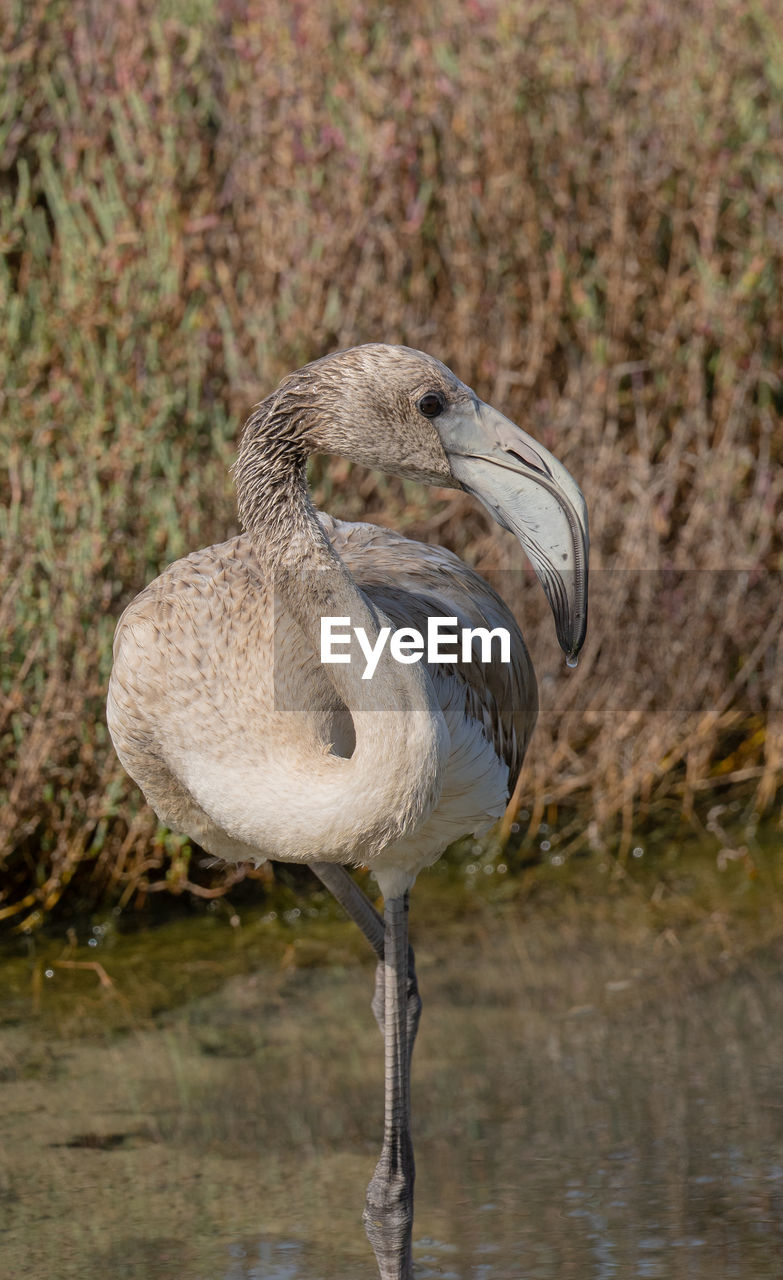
(597, 1092)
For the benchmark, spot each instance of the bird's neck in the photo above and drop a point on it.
(392, 781)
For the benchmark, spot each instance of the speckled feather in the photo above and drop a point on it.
(219, 705)
(204, 656)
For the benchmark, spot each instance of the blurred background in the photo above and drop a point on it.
(578, 207)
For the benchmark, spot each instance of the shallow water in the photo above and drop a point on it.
(596, 1093)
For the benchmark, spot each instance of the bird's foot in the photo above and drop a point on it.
(388, 1213)
(412, 998)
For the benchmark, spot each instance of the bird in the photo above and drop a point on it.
(246, 735)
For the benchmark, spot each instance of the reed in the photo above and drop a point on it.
(577, 206)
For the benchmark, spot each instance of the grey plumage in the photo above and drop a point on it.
(237, 733)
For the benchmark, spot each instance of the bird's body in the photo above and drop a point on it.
(216, 692)
(224, 709)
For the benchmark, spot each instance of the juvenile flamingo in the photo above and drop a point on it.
(240, 736)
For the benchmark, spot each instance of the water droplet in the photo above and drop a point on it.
(502, 868)
(92, 942)
(638, 851)
(49, 973)
(546, 845)
(572, 660)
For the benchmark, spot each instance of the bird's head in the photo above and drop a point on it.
(401, 411)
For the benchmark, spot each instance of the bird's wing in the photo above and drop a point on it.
(411, 582)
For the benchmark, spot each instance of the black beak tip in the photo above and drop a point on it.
(571, 637)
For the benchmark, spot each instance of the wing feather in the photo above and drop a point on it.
(410, 582)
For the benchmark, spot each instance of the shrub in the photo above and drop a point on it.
(577, 207)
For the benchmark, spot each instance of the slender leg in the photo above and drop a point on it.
(353, 902)
(388, 1213)
(357, 905)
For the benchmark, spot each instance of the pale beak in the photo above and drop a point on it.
(526, 490)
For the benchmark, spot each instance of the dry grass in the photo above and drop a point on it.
(577, 206)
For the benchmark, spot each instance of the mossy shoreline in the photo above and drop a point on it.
(692, 903)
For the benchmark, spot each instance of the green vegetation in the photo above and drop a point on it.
(576, 206)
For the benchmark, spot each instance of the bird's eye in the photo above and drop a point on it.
(431, 404)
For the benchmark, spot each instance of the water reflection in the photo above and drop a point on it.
(281, 1261)
(584, 1107)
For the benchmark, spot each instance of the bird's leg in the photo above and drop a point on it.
(388, 1213)
(354, 903)
(412, 999)
(357, 905)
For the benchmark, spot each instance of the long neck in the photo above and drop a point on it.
(352, 808)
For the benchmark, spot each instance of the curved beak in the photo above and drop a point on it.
(527, 491)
